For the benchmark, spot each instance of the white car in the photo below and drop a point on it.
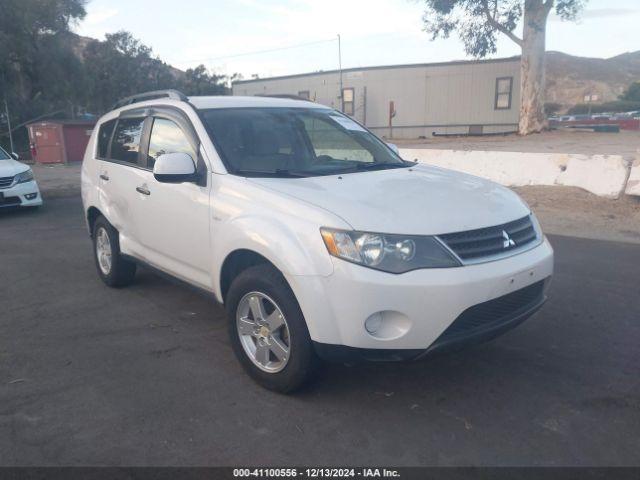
(321, 242)
(18, 187)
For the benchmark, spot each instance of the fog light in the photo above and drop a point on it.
(373, 323)
(31, 196)
(387, 325)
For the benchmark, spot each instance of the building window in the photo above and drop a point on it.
(504, 85)
(304, 94)
(347, 101)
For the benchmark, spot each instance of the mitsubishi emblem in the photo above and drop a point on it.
(507, 240)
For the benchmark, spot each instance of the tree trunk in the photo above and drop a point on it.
(532, 67)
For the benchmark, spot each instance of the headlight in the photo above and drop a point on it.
(24, 177)
(389, 253)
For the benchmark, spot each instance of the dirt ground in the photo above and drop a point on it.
(575, 212)
(58, 180)
(626, 143)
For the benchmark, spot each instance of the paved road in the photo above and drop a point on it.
(145, 375)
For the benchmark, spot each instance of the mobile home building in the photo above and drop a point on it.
(411, 101)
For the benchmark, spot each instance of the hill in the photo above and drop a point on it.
(570, 78)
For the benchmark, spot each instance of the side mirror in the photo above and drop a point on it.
(394, 147)
(15, 156)
(174, 168)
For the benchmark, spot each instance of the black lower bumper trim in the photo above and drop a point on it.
(344, 354)
(10, 202)
(489, 329)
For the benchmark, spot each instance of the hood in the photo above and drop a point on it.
(9, 168)
(421, 200)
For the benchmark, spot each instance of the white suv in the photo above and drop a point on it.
(318, 238)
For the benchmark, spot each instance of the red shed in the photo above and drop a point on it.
(59, 141)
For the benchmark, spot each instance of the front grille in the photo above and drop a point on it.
(490, 241)
(5, 182)
(494, 312)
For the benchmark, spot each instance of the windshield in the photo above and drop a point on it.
(4, 155)
(295, 142)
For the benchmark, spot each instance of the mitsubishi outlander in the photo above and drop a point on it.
(320, 241)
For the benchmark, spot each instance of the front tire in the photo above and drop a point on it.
(113, 269)
(268, 331)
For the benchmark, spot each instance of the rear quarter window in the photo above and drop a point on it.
(104, 137)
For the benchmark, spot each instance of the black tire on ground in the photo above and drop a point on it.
(302, 365)
(122, 272)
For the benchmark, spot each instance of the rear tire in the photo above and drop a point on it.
(113, 269)
(280, 329)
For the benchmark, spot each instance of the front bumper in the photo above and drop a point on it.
(417, 308)
(475, 325)
(21, 195)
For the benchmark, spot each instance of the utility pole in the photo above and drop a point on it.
(340, 69)
(6, 112)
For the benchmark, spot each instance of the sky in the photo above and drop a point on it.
(234, 36)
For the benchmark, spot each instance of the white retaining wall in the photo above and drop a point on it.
(604, 175)
(633, 184)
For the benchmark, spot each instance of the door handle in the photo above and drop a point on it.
(104, 177)
(143, 190)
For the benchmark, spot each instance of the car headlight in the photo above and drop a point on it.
(389, 253)
(24, 177)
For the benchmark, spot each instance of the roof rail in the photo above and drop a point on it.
(282, 95)
(141, 97)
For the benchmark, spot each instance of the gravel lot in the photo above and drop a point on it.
(576, 212)
(146, 376)
(625, 143)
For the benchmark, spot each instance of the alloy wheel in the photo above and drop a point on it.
(103, 250)
(263, 332)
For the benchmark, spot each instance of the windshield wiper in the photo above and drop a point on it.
(380, 165)
(277, 173)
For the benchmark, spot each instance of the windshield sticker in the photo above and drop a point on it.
(347, 123)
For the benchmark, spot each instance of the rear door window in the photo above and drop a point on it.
(126, 140)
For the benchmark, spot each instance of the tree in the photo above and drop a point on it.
(198, 81)
(38, 71)
(48, 71)
(26, 29)
(122, 66)
(632, 93)
(478, 23)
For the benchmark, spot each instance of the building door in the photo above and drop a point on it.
(48, 141)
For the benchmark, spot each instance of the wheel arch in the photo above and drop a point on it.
(235, 263)
(92, 215)
(293, 249)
